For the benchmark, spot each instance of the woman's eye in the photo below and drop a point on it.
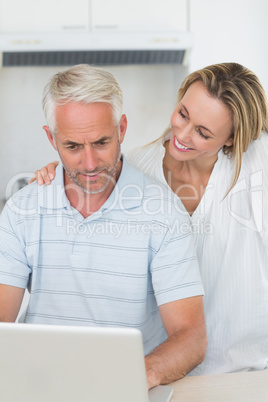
(202, 135)
(182, 114)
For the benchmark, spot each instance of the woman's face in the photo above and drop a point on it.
(201, 126)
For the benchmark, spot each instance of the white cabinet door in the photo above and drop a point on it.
(44, 16)
(139, 15)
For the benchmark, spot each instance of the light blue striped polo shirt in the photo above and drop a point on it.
(113, 268)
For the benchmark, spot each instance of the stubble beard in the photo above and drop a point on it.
(107, 173)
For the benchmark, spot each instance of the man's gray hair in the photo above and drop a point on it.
(82, 84)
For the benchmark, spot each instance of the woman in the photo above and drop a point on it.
(214, 157)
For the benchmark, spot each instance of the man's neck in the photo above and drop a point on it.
(87, 204)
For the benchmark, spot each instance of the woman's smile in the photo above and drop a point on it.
(180, 146)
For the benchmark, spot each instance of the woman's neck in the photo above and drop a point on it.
(188, 179)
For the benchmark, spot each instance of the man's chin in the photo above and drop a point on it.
(93, 188)
(90, 186)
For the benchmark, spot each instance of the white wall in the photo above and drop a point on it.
(229, 30)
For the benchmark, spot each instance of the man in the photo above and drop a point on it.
(103, 245)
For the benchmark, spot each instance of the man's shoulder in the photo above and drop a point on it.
(164, 200)
(33, 197)
(25, 198)
(21, 206)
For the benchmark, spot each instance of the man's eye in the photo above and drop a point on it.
(71, 147)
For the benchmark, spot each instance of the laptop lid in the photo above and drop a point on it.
(68, 364)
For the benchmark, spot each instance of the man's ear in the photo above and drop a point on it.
(50, 137)
(123, 127)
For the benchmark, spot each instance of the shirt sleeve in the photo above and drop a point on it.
(14, 269)
(174, 269)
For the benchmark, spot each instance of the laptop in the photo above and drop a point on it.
(51, 363)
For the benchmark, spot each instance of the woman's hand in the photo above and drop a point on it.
(46, 174)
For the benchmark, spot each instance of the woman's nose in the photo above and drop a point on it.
(185, 132)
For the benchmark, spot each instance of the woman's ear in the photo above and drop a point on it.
(229, 142)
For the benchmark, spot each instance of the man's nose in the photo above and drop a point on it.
(90, 158)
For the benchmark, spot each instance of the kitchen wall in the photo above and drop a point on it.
(230, 30)
(233, 30)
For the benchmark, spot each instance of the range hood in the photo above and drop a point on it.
(94, 48)
(100, 32)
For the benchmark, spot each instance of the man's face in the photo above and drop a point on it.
(88, 143)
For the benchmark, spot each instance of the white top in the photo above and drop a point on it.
(231, 237)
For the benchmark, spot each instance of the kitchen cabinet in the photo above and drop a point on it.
(55, 16)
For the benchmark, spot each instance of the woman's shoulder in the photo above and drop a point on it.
(149, 159)
(147, 154)
(256, 174)
(263, 139)
(257, 153)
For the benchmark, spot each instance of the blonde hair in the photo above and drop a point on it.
(241, 91)
(82, 84)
